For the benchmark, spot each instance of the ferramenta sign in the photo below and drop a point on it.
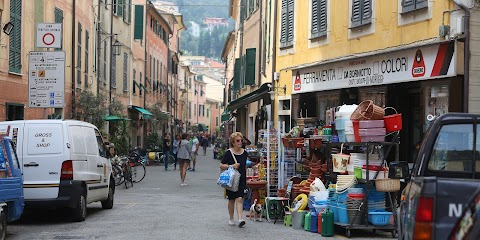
(413, 64)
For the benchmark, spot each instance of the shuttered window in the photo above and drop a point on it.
(79, 55)
(58, 13)
(125, 75)
(104, 73)
(236, 74)
(113, 73)
(250, 66)
(319, 18)
(15, 47)
(286, 33)
(134, 82)
(361, 12)
(140, 81)
(412, 5)
(86, 58)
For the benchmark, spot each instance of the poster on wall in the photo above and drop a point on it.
(413, 64)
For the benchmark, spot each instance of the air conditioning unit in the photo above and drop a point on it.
(457, 25)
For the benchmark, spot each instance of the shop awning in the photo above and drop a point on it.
(225, 115)
(254, 96)
(113, 118)
(146, 114)
(202, 127)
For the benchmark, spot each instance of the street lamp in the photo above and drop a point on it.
(116, 47)
(7, 29)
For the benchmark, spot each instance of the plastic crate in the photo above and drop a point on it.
(379, 217)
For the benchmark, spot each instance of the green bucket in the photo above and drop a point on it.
(358, 172)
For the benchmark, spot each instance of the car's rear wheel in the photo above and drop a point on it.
(108, 203)
(3, 226)
(79, 213)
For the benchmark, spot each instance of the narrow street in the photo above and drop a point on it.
(159, 208)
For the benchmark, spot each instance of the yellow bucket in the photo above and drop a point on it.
(151, 155)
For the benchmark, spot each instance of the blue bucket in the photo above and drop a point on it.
(342, 213)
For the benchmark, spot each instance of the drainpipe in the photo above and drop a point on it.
(466, 67)
(98, 48)
(274, 54)
(73, 58)
(111, 66)
(147, 6)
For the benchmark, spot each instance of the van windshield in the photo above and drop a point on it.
(453, 150)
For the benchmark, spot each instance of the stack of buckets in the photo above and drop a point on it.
(332, 203)
(343, 125)
(354, 200)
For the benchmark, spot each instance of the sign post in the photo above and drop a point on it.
(46, 79)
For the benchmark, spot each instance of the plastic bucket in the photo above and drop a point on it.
(356, 127)
(342, 213)
(393, 122)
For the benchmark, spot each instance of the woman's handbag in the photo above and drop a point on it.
(230, 178)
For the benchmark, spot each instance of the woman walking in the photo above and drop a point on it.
(239, 155)
(166, 149)
(175, 148)
(183, 153)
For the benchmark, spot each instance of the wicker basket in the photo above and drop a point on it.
(366, 110)
(387, 185)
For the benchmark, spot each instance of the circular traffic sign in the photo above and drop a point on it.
(48, 39)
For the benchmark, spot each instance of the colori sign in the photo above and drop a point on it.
(421, 63)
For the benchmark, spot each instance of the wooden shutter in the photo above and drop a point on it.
(15, 47)
(322, 13)
(120, 7)
(284, 24)
(250, 66)
(58, 13)
(419, 4)
(138, 24)
(236, 74)
(291, 4)
(314, 18)
(367, 11)
(242, 72)
(408, 5)
(356, 13)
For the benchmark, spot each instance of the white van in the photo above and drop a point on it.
(64, 164)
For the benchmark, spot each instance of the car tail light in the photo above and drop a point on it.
(423, 219)
(67, 170)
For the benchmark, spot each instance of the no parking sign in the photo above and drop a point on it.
(49, 35)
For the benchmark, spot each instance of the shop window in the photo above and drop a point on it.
(285, 104)
(326, 102)
(14, 111)
(377, 95)
(436, 101)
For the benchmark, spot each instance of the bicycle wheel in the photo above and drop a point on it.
(138, 172)
(117, 175)
(128, 176)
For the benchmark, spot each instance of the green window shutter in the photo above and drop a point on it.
(250, 66)
(138, 25)
(242, 72)
(411, 5)
(129, 11)
(236, 74)
(314, 18)
(419, 4)
(134, 81)
(284, 24)
(79, 55)
(125, 75)
(58, 13)
(15, 47)
(322, 13)
(367, 11)
(87, 38)
(356, 13)
(120, 7)
(291, 8)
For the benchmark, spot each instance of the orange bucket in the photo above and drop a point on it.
(393, 122)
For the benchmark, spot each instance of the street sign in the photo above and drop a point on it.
(49, 35)
(46, 79)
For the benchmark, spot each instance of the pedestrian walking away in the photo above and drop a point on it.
(166, 149)
(183, 154)
(176, 141)
(195, 146)
(235, 199)
(204, 146)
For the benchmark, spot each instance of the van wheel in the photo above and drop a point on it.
(108, 203)
(80, 211)
(3, 226)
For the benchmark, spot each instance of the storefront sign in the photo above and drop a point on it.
(46, 79)
(426, 62)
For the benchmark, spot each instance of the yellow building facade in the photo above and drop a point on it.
(403, 54)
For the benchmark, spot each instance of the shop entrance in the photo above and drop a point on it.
(407, 100)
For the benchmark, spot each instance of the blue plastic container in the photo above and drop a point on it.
(341, 136)
(379, 217)
(342, 213)
(314, 222)
(340, 123)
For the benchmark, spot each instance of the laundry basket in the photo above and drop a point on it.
(366, 110)
(387, 185)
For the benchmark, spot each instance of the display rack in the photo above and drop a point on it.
(363, 213)
(289, 163)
